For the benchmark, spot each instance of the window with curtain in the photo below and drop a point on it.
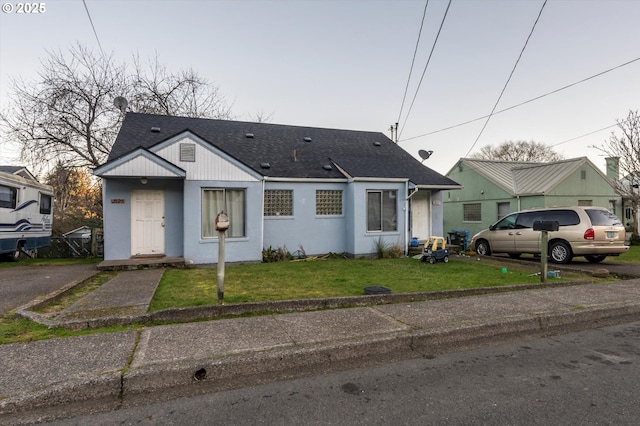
(232, 202)
(382, 211)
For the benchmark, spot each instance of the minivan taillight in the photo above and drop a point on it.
(589, 234)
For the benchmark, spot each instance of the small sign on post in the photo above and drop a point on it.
(222, 224)
(545, 226)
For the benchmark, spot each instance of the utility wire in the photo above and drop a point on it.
(425, 67)
(525, 102)
(92, 26)
(415, 52)
(582, 136)
(508, 80)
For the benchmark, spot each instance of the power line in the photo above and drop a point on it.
(509, 79)
(425, 67)
(406, 89)
(582, 136)
(525, 102)
(92, 26)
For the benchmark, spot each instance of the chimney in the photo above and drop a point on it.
(613, 167)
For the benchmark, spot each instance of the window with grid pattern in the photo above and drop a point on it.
(328, 202)
(472, 212)
(278, 202)
(585, 203)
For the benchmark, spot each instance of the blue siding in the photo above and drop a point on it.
(205, 250)
(316, 234)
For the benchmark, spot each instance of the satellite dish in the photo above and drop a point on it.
(424, 154)
(121, 103)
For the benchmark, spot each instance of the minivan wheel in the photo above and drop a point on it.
(482, 248)
(560, 252)
(595, 258)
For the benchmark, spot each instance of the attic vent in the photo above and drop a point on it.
(265, 165)
(377, 144)
(327, 167)
(188, 152)
(249, 135)
(307, 139)
(155, 129)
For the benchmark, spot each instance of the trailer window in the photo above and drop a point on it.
(45, 204)
(8, 197)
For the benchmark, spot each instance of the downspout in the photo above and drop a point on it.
(262, 216)
(406, 217)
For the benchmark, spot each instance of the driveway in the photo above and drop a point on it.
(22, 284)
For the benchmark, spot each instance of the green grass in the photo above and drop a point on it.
(330, 278)
(633, 255)
(292, 280)
(45, 262)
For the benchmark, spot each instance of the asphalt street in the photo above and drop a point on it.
(584, 378)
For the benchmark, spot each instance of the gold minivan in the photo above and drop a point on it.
(592, 232)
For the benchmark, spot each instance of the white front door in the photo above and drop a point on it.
(147, 223)
(420, 220)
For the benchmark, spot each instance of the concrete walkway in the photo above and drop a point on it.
(66, 376)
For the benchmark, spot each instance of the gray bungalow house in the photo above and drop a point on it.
(312, 189)
(493, 189)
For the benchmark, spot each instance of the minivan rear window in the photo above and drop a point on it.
(564, 217)
(602, 218)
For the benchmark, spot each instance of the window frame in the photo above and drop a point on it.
(12, 202)
(204, 227)
(392, 195)
(464, 213)
(267, 212)
(331, 202)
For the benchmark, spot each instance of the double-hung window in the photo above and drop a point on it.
(229, 200)
(382, 210)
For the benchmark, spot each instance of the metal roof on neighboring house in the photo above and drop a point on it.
(527, 178)
(291, 151)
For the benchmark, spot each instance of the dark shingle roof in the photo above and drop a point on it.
(358, 153)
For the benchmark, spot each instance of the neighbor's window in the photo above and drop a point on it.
(8, 197)
(472, 212)
(328, 202)
(232, 202)
(585, 202)
(45, 204)
(278, 202)
(382, 211)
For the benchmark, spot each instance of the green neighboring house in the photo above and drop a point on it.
(493, 189)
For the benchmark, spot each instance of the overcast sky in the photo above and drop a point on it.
(345, 64)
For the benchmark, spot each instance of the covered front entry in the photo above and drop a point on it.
(147, 223)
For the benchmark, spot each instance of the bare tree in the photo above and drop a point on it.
(518, 151)
(626, 148)
(154, 90)
(68, 115)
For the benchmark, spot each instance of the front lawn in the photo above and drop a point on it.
(332, 277)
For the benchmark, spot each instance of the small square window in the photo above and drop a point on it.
(278, 202)
(472, 212)
(328, 202)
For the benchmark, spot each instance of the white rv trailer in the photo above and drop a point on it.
(26, 215)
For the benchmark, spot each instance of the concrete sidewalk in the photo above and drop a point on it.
(67, 376)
